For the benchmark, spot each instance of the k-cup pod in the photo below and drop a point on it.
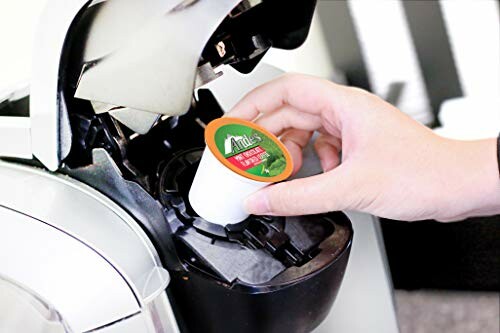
(239, 159)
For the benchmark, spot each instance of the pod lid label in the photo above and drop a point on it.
(248, 150)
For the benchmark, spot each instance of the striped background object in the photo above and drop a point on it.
(428, 51)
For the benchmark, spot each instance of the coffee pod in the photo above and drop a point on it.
(240, 158)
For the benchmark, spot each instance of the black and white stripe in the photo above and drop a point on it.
(434, 50)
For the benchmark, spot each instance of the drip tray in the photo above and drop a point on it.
(254, 251)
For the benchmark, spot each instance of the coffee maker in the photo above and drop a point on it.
(95, 175)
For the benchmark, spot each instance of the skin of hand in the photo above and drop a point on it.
(391, 165)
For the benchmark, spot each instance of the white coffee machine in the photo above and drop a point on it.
(97, 157)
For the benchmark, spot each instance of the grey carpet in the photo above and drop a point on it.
(429, 311)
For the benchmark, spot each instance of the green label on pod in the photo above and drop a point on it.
(250, 150)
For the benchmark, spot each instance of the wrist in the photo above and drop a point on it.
(476, 178)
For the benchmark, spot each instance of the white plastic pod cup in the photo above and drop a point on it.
(239, 159)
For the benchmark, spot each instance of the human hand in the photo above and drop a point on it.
(391, 165)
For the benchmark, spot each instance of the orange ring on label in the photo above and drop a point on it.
(211, 130)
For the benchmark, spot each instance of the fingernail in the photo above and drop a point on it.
(323, 166)
(257, 203)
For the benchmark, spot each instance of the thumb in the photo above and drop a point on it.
(311, 195)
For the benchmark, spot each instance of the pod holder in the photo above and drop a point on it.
(265, 274)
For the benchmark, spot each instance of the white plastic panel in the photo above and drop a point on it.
(311, 58)
(15, 137)
(158, 317)
(21, 308)
(84, 288)
(90, 217)
(232, 86)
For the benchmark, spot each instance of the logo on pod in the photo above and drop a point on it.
(234, 144)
